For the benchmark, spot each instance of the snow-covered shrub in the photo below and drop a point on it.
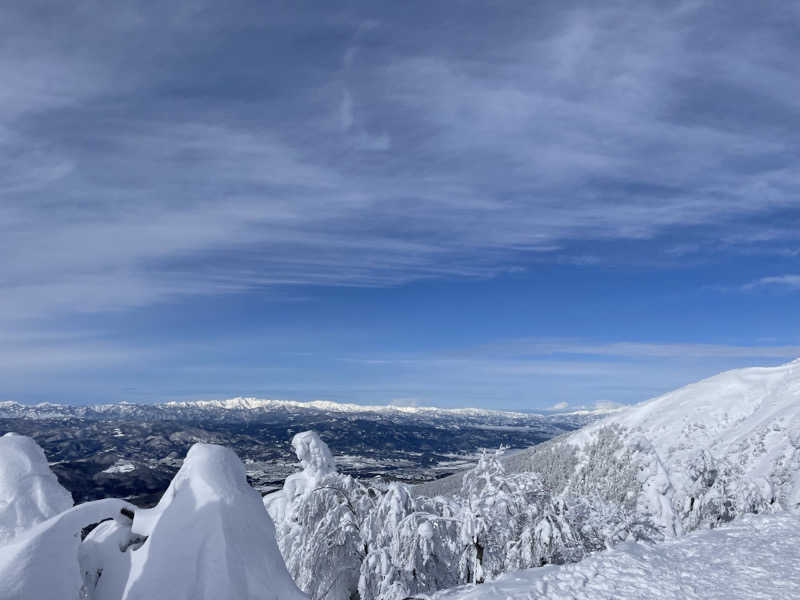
(717, 491)
(607, 470)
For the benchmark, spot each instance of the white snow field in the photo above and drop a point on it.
(755, 557)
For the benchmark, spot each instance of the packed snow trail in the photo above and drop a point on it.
(755, 557)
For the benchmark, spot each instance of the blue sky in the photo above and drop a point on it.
(512, 205)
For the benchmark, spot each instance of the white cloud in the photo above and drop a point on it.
(783, 281)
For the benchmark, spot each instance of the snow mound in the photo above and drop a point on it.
(29, 491)
(756, 557)
(209, 538)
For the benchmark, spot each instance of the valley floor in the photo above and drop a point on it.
(755, 557)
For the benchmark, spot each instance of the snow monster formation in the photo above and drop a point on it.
(343, 539)
(209, 538)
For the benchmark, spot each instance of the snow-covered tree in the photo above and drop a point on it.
(413, 545)
(510, 521)
(318, 516)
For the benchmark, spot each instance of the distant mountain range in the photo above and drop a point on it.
(133, 450)
(246, 408)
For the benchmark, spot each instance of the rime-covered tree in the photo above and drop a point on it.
(318, 518)
(413, 545)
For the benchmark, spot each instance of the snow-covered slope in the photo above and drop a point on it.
(754, 558)
(698, 456)
(703, 454)
(749, 416)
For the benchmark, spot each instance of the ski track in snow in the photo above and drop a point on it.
(756, 557)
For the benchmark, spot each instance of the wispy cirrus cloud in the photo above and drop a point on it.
(141, 165)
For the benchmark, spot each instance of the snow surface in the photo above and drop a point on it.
(42, 563)
(29, 491)
(120, 467)
(755, 557)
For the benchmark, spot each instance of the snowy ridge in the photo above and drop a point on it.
(11, 409)
(241, 403)
(723, 446)
(719, 413)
